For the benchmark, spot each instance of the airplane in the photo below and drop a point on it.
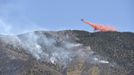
(101, 28)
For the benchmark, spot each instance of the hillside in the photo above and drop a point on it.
(69, 52)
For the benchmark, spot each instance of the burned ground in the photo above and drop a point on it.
(70, 52)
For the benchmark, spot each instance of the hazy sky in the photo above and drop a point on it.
(17, 16)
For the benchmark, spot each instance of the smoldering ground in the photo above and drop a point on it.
(52, 48)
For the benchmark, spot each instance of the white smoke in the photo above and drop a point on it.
(5, 28)
(48, 48)
(44, 48)
(13, 19)
(8, 29)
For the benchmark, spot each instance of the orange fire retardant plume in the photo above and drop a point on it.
(99, 27)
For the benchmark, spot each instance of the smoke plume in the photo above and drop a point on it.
(54, 48)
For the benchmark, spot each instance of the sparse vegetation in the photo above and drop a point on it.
(117, 47)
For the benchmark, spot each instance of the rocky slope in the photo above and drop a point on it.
(70, 52)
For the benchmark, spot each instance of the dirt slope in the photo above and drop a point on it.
(70, 52)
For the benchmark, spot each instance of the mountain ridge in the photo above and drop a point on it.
(69, 52)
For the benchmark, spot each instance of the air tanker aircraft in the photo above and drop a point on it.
(101, 28)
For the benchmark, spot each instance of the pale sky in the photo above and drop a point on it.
(18, 16)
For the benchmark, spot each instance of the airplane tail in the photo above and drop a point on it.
(82, 19)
